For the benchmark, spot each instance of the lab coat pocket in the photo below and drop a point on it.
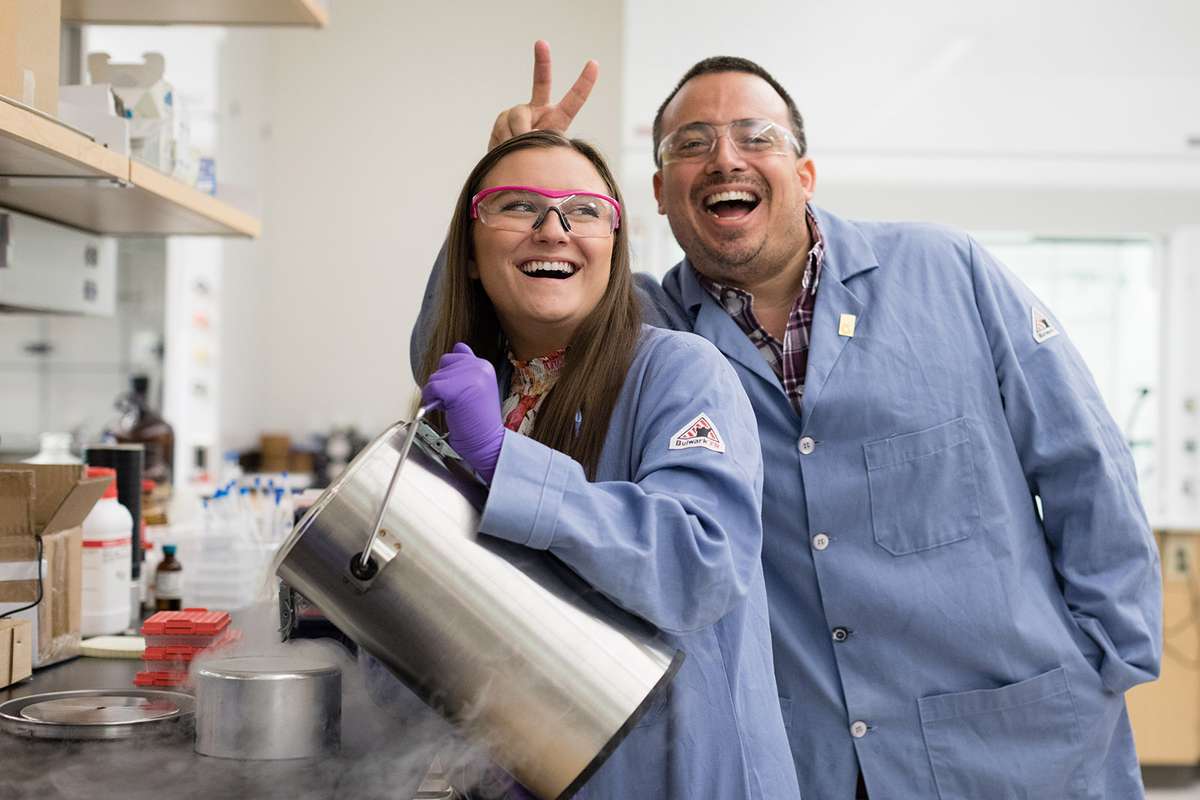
(1018, 742)
(923, 488)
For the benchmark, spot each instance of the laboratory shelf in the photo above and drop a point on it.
(52, 171)
(308, 13)
(32, 144)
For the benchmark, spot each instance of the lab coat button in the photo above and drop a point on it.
(841, 634)
(820, 541)
(858, 729)
(807, 445)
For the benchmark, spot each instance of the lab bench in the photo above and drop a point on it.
(372, 762)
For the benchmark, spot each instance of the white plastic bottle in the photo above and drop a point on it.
(56, 449)
(107, 543)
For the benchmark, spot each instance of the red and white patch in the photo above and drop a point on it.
(700, 432)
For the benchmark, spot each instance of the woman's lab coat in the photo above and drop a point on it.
(671, 531)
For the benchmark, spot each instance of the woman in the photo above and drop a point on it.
(628, 452)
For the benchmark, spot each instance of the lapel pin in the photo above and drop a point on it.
(846, 325)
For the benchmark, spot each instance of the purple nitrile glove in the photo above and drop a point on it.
(466, 387)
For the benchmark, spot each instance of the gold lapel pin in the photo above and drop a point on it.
(846, 325)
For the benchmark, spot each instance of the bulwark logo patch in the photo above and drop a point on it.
(700, 432)
(1043, 328)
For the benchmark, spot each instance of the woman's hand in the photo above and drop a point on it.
(466, 387)
(539, 113)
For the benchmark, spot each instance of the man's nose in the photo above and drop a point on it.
(552, 229)
(725, 157)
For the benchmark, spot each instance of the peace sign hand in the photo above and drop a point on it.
(539, 113)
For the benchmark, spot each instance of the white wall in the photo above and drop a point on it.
(368, 129)
(1065, 117)
(1072, 120)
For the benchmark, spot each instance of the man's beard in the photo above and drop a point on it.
(741, 259)
(734, 261)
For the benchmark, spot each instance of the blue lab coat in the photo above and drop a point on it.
(673, 535)
(915, 587)
(914, 584)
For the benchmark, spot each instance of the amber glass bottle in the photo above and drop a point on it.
(168, 582)
(141, 424)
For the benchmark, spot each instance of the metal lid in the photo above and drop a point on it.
(96, 713)
(265, 668)
(99, 710)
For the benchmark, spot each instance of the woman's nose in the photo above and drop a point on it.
(552, 228)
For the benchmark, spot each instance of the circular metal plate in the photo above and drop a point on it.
(96, 713)
(99, 710)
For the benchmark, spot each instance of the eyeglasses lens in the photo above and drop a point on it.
(521, 211)
(751, 137)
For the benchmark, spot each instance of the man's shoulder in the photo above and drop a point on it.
(663, 342)
(903, 251)
(661, 301)
(888, 235)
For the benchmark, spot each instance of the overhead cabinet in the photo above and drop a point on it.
(45, 267)
(310, 13)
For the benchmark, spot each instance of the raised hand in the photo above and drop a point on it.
(539, 113)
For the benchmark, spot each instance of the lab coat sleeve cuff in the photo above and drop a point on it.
(527, 492)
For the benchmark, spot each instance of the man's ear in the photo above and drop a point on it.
(806, 170)
(657, 181)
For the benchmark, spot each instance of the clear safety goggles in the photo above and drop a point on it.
(524, 208)
(750, 137)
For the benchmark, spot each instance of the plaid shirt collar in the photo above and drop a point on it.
(789, 358)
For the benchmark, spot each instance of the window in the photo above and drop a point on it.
(1105, 292)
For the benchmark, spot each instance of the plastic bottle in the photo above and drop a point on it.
(230, 469)
(55, 449)
(107, 539)
(168, 582)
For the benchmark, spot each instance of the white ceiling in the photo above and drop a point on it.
(1022, 78)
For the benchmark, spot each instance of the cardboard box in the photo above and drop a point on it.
(93, 109)
(41, 509)
(149, 103)
(16, 651)
(1166, 713)
(29, 38)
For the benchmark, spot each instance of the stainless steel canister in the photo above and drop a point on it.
(267, 707)
(504, 641)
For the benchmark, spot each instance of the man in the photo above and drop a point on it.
(936, 633)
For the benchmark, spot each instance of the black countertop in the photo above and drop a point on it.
(382, 755)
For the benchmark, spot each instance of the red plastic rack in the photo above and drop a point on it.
(161, 679)
(191, 627)
(175, 638)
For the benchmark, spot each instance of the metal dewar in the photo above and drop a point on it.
(267, 707)
(504, 641)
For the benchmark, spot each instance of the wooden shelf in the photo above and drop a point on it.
(50, 171)
(163, 203)
(31, 144)
(308, 13)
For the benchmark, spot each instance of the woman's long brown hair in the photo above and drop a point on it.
(602, 348)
